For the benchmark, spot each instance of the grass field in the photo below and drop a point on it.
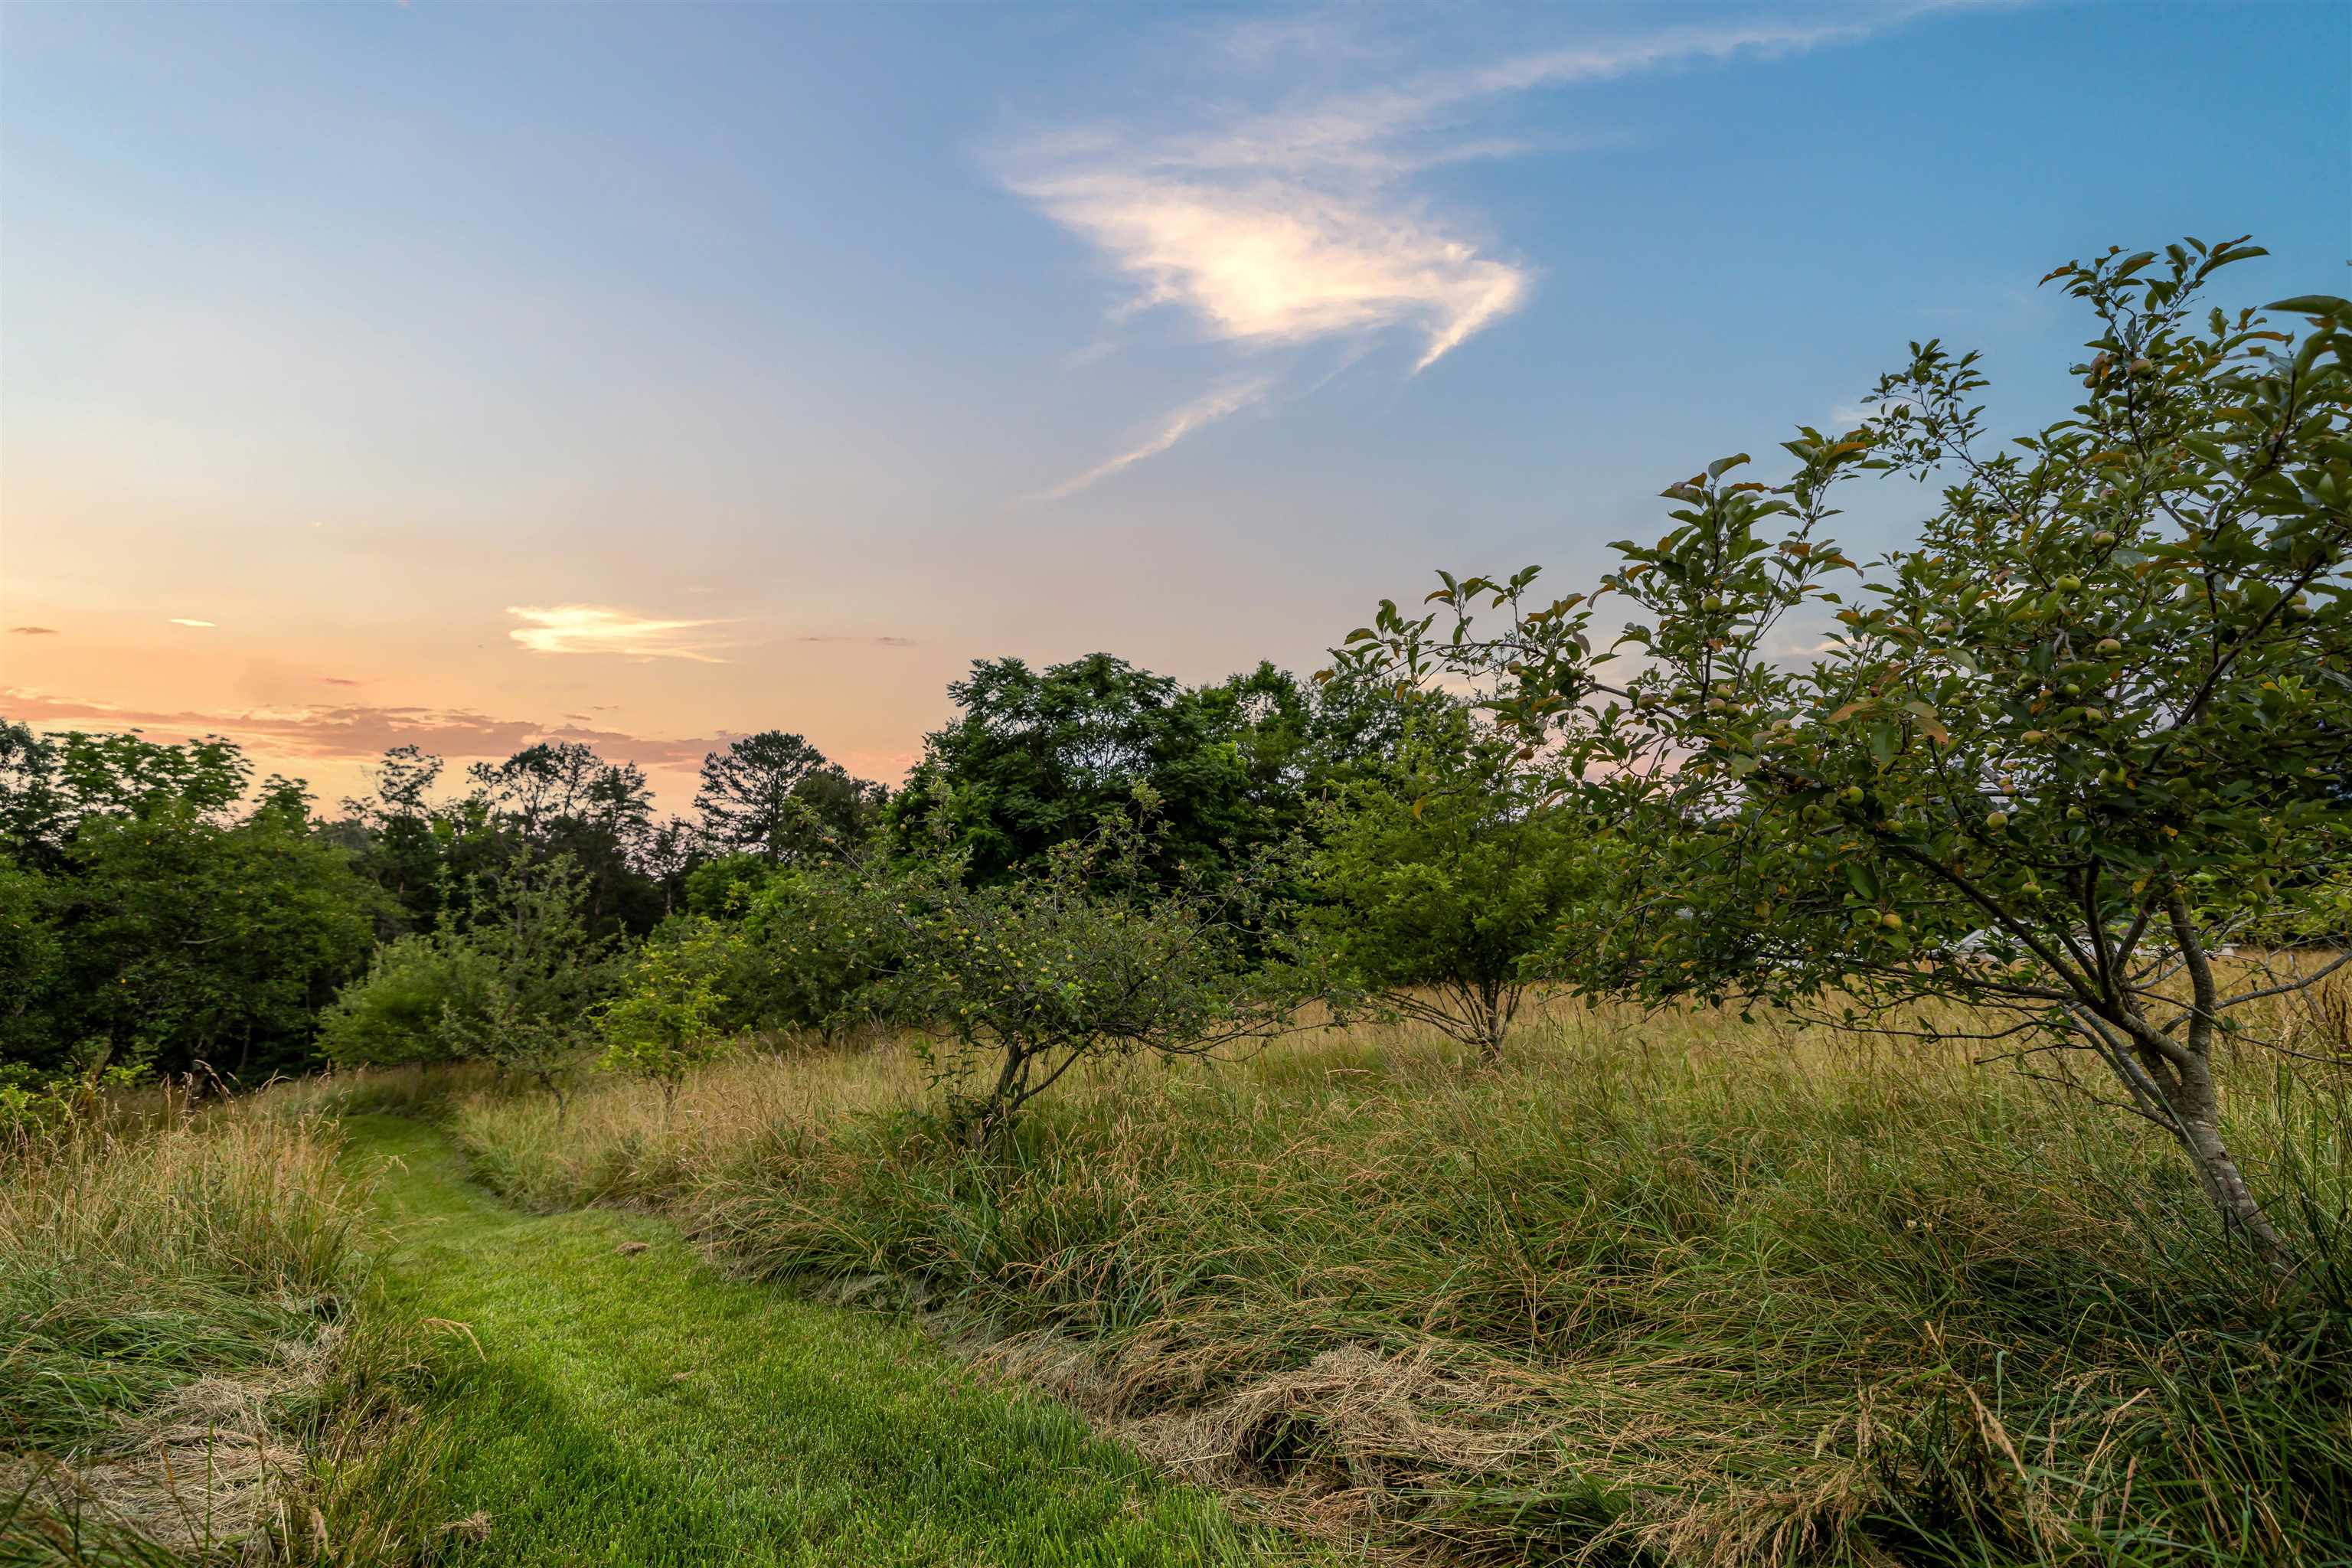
(630, 1405)
(1660, 1290)
(1664, 1290)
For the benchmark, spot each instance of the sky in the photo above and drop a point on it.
(647, 374)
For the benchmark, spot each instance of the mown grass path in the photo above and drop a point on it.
(645, 1409)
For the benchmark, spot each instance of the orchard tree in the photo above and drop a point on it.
(1088, 957)
(2050, 760)
(1441, 884)
(665, 1019)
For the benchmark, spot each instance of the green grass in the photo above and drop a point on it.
(645, 1410)
(1661, 1291)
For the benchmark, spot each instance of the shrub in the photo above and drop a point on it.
(404, 1008)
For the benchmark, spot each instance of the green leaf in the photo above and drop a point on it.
(2315, 305)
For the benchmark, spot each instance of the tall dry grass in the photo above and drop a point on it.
(1666, 1288)
(184, 1371)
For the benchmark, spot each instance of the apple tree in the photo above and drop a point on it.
(2046, 763)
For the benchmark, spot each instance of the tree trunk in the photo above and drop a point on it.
(1490, 1045)
(2197, 1124)
(2178, 1073)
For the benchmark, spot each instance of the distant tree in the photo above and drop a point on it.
(1039, 758)
(775, 795)
(33, 812)
(191, 941)
(2055, 756)
(32, 967)
(393, 836)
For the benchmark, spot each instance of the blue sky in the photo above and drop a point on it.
(655, 372)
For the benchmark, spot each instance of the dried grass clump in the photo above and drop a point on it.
(178, 1369)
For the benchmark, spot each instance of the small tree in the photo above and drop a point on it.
(663, 1022)
(1441, 885)
(545, 973)
(1083, 959)
(2053, 757)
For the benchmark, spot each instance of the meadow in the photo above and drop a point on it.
(1662, 1287)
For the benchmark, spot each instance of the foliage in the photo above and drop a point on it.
(1441, 887)
(1039, 758)
(425, 997)
(147, 914)
(816, 961)
(545, 972)
(662, 1019)
(512, 987)
(2054, 756)
(32, 964)
(775, 795)
(1085, 958)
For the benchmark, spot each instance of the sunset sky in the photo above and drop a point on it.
(646, 374)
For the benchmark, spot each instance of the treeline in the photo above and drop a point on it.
(160, 912)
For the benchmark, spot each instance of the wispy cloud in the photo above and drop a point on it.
(185, 621)
(1204, 410)
(34, 632)
(1311, 222)
(880, 640)
(339, 681)
(599, 628)
(1268, 261)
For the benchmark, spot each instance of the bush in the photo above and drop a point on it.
(401, 1010)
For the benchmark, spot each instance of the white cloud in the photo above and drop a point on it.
(1303, 224)
(598, 628)
(1267, 261)
(184, 621)
(1201, 411)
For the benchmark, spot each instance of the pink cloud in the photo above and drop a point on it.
(358, 733)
